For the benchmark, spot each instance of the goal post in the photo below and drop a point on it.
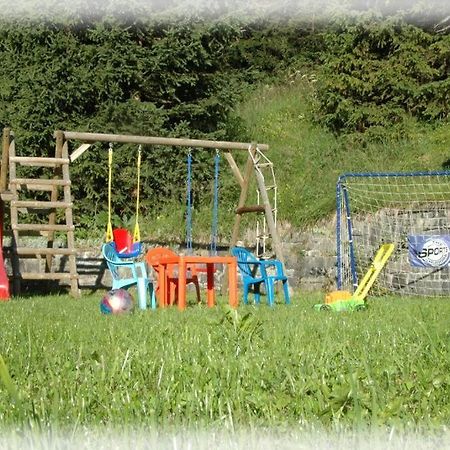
(410, 210)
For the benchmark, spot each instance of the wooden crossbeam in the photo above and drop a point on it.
(149, 140)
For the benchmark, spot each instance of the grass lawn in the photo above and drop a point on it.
(67, 365)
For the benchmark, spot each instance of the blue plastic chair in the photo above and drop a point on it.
(254, 271)
(136, 275)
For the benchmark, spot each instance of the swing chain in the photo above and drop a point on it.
(109, 232)
(137, 231)
(215, 218)
(189, 203)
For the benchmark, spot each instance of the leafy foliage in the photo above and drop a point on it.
(149, 78)
(172, 75)
(378, 73)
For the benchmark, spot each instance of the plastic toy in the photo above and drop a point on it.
(344, 300)
(117, 301)
(126, 245)
(129, 273)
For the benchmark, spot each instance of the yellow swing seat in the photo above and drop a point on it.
(125, 244)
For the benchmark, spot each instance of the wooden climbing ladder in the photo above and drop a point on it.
(257, 162)
(266, 194)
(49, 215)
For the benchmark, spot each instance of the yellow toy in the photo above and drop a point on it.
(344, 300)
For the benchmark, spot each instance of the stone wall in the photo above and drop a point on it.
(310, 257)
(310, 260)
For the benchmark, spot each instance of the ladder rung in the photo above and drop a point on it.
(38, 185)
(40, 204)
(24, 251)
(250, 209)
(38, 181)
(7, 196)
(264, 164)
(35, 210)
(38, 161)
(47, 276)
(42, 227)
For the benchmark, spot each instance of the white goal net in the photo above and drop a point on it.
(411, 210)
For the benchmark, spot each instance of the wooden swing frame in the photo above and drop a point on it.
(86, 140)
(227, 147)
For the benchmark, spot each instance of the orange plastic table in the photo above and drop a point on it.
(210, 262)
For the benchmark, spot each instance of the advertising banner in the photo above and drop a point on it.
(429, 251)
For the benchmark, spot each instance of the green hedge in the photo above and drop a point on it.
(378, 73)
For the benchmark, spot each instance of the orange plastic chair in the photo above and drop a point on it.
(154, 255)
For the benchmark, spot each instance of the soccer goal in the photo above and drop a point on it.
(410, 210)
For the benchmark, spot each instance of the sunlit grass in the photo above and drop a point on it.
(72, 366)
(309, 159)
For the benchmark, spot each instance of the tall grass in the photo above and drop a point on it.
(72, 367)
(308, 159)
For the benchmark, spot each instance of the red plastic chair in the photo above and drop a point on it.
(154, 255)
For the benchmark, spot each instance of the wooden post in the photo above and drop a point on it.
(149, 140)
(5, 159)
(244, 194)
(242, 199)
(269, 216)
(74, 285)
(15, 263)
(53, 198)
(234, 168)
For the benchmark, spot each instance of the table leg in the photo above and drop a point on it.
(162, 285)
(232, 285)
(182, 283)
(210, 285)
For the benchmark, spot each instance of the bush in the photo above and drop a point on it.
(377, 73)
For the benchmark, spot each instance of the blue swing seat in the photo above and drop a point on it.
(254, 272)
(124, 245)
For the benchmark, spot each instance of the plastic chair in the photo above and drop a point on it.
(136, 275)
(154, 255)
(254, 271)
(124, 245)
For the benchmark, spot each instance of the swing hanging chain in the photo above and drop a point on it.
(109, 232)
(137, 232)
(215, 218)
(189, 204)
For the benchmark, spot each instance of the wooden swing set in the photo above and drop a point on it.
(12, 186)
